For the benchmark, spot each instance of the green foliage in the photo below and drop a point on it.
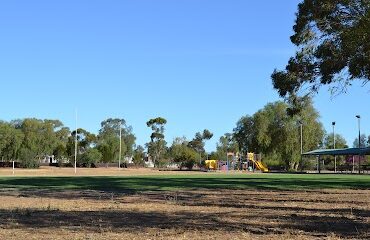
(61, 150)
(183, 155)
(225, 145)
(276, 134)
(10, 141)
(91, 156)
(157, 126)
(31, 140)
(109, 139)
(340, 142)
(138, 157)
(85, 141)
(214, 156)
(40, 136)
(332, 37)
(363, 141)
(245, 134)
(28, 158)
(198, 141)
(157, 145)
(328, 143)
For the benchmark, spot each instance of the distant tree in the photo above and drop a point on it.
(213, 156)
(139, 155)
(157, 145)
(363, 141)
(226, 144)
(198, 142)
(109, 141)
(40, 136)
(245, 134)
(276, 134)
(332, 37)
(61, 149)
(85, 141)
(340, 142)
(10, 141)
(182, 154)
(90, 156)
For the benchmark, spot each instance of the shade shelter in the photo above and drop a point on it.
(338, 152)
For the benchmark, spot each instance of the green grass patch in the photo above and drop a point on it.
(190, 182)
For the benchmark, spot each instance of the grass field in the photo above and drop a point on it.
(147, 204)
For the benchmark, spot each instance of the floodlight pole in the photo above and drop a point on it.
(335, 157)
(359, 142)
(76, 139)
(120, 144)
(301, 125)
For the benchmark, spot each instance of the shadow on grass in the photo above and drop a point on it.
(180, 221)
(253, 212)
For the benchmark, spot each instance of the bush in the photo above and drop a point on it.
(89, 158)
(28, 159)
(184, 156)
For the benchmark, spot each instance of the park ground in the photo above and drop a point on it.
(54, 203)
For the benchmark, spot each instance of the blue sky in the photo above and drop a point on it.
(198, 63)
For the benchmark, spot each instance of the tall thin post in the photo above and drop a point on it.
(359, 142)
(317, 163)
(301, 125)
(353, 164)
(335, 157)
(200, 159)
(120, 144)
(301, 140)
(76, 139)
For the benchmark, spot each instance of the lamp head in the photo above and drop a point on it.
(333, 123)
(358, 116)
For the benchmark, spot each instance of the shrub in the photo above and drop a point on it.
(28, 159)
(90, 158)
(184, 156)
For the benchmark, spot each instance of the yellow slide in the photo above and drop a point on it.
(211, 164)
(261, 166)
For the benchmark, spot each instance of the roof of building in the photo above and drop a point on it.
(342, 152)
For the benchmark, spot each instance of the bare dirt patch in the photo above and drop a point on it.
(203, 214)
(65, 172)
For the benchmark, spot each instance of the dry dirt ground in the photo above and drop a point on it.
(55, 171)
(201, 214)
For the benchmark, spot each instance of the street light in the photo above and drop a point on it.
(120, 144)
(76, 142)
(359, 141)
(335, 157)
(301, 125)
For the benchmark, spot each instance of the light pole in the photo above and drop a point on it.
(359, 141)
(76, 142)
(120, 144)
(335, 157)
(301, 125)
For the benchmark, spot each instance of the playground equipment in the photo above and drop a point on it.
(235, 162)
(257, 162)
(211, 164)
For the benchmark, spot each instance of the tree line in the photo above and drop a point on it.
(271, 131)
(31, 140)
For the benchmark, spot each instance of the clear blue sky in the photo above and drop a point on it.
(198, 63)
